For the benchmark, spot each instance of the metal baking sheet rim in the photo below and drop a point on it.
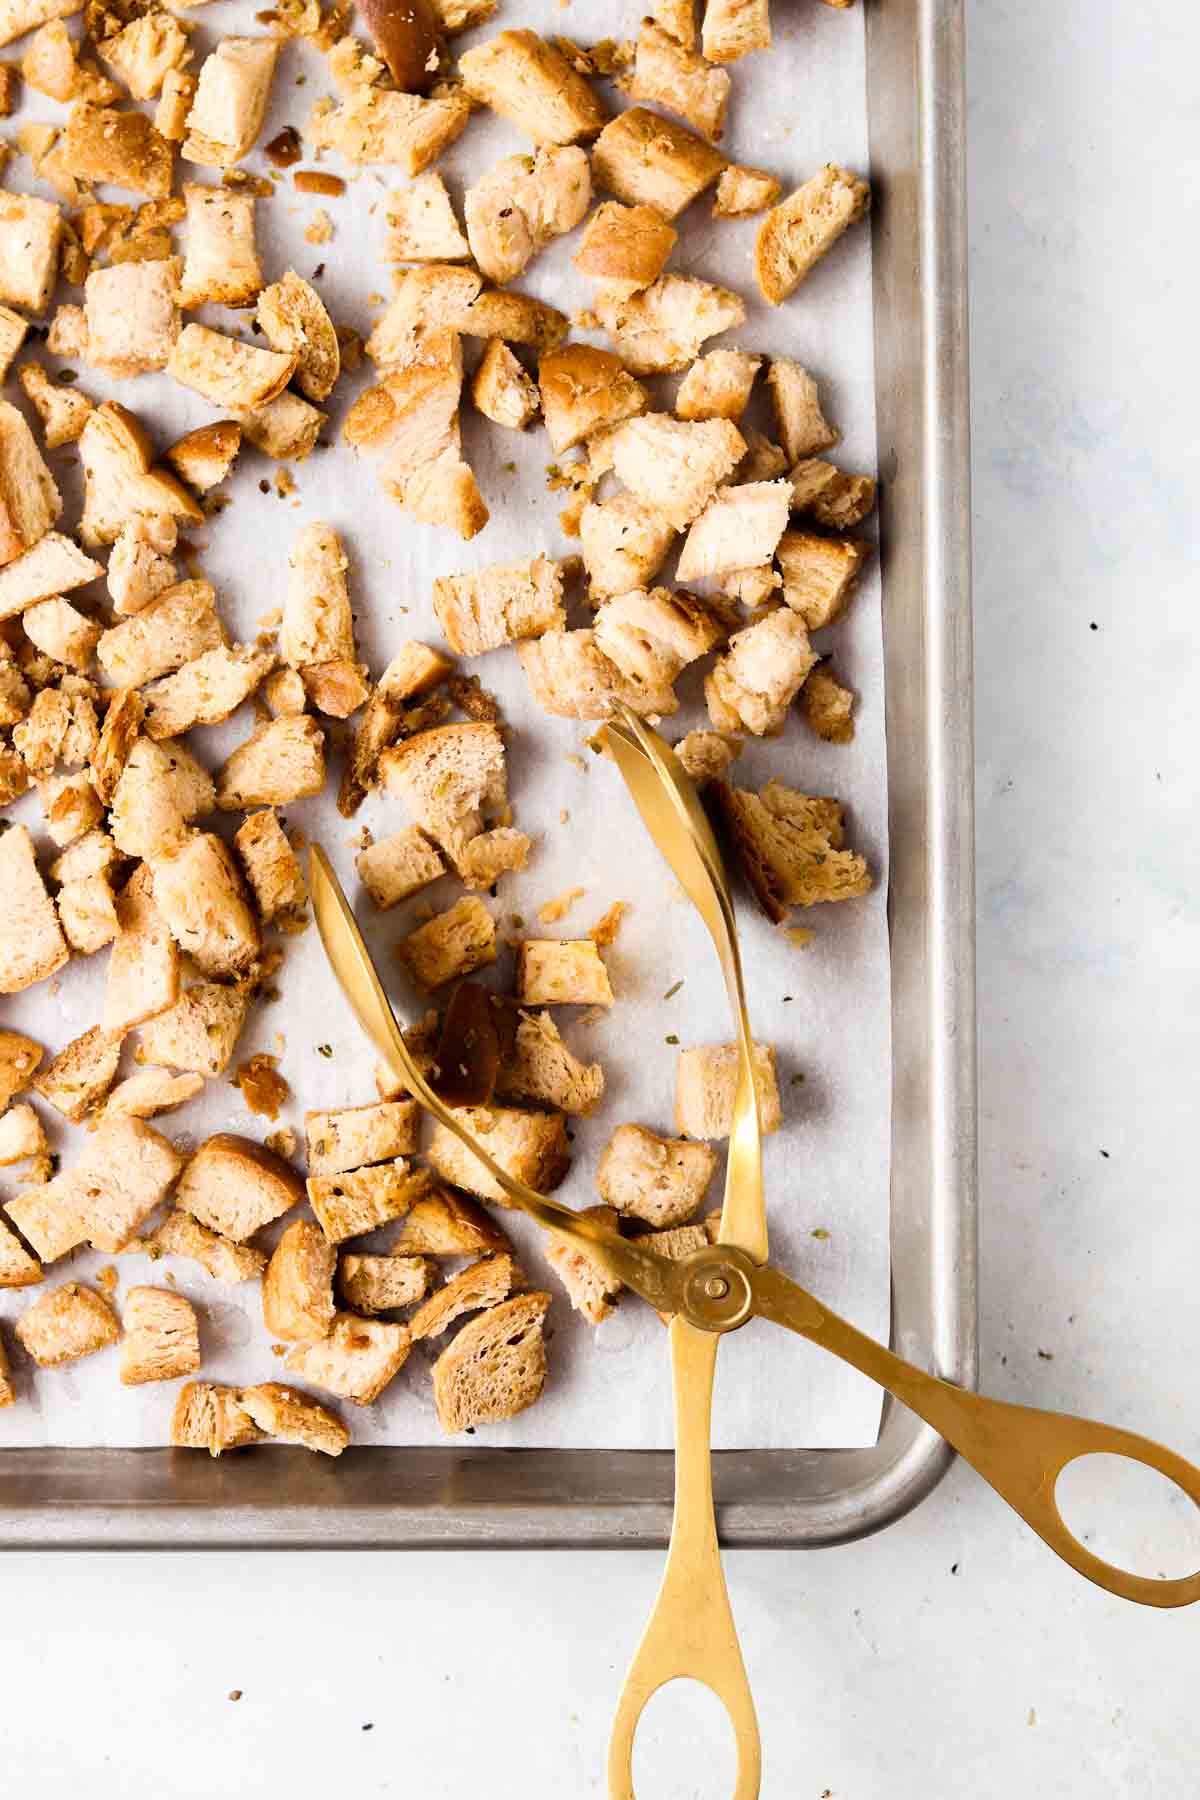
(451, 1498)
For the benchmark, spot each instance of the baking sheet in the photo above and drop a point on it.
(826, 1007)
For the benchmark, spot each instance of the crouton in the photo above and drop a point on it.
(501, 389)
(204, 457)
(29, 500)
(62, 410)
(819, 574)
(707, 755)
(12, 335)
(222, 257)
(336, 688)
(285, 429)
(230, 103)
(148, 1093)
(397, 866)
(32, 946)
(739, 526)
(14, 776)
(59, 728)
(235, 1186)
(227, 372)
(732, 28)
(412, 673)
(357, 1359)
(65, 1324)
(589, 1286)
(295, 323)
(19, 16)
(70, 806)
(659, 1180)
(199, 893)
(791, 847)
(61, 632)
(670, 76)
(317, 624)
(742, 191)
(271, 869)
(209, 688)
(292, 1418)
(422, 226)
(30, 235)
(212, 1418)
(456, 16)
(143, 52)
(122, 723)
(441, 298)
(449, 778)
(570, 677)
(717, 386)
(20, 1057)
(376, 125)
(162, 1337)
(87, 912)
(530, 1146)
(174, 105)
(53, 566)
(659, 330)
(495, 1367)
(706, 1085)
(800, 424)
(159, 791)
(484, 1283)
(358, 1200)
(750, 588)
(122, 1175)
(531, 83)
(451, 944)
(796, 234)
(647, 160)
(199, 1031)
(413, 414)
(624, 544)
(828, 707)
(441, 1223)
(93, 854)
(752, 685)
(824, 493)
(17, 1267)
(143, 969)
(500, 604)
(582, 389)
(357, 1135)
(562, 972)
(120, 482)
(625, 247)
(282, 761)
(673, 465)
(541, 1071)
(181, 1235)
(376, 1284)
(522, 203)
(16, 699)
(174, 628)
(501, 851)
(104, 144)
(21, 1139)
(132, 316)
(297, 1291)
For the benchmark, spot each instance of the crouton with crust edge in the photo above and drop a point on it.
(397, 866)
(294, 322)
(282, 761)
(19, 1060)
(718, 386)
(204, 457)
(161, 1337)
(660, 1180)
(29, 500)
(18, 1268)
(107, 144)
(353, 1136)
(827, 495)
(590, 1288)
(531, 1146)
(357, 1359)
(443, 1223)
(413, 672)
(230, 101)
(562, 972)
(531, 83)
(81, 1073)
(272, 871)
(659, 330)
(451, 944)
(742, 191)
(541, 1071)
(522, 204)
(797, 233)
(819, 574)
(290, 1417)
(647, 160)
(66, 1324)
(377, 1284)
(221, 262)
(230, 374)
(121, 481)
(181, 1235)
(199, 1030)
(131, 315)
(236, 1186)
(625, 247)
(791, 847)
(705, 1085)
(210, 1417)
(732, 28)
(675, 78)
(63, 412)
(495, 1367)
(358, 1200)
(484, 1283)
(422, 225)
(753, 683)
(30, 236)
(199, 892)
(502, 390)
(584, 388)
(376, 125)
(828, 707)
(297, 1291)
(500, 604)
(143, 965)
(449, 778)
(32, 946)
(317, 624)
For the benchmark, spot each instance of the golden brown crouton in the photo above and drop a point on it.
(30, 234)
(61, 632)
(282, 761)
(22, 1138)
(583, 389)
(531, 1146)
(205, 456)
(451, 944)
(706, 1083)
(199, 1031)
(751, 686)
(483, 1284)
(413, 415)
(121, 1177)
(717, 386)
(441, 1223)
(377, 125)
(647, 160)
(32, 946)
(59, 728)
(131, 313)
(422, 226)
(199, 893)
(272, 871)
(285, 429)
(501, 851)
(412, 673)
(660, 330)
(739, 526)
(376, 1284)
(62, 410)
(800, 424)
(624, 544)
(292, 1418)
(174, 105)
(590, 1287)
(495, 1367)
(145, 51)
(53, 566)
(29, 500)
(449, 778)
(211, 1418)
(70, 806)
(562, 972)
(625, 247)
(227, 372)
(677, 18)
(571, 677)
(790, 847)
(119, 480)
(81, 1074)
(742, 191)
(524, 202)
(295, 323)
(143, 968)
(17, 1267)
(204, 692)
(541, 1071)
(356, 1360)
(65, 1324)
(670, 76)
(500, 604)
(399, 865)
(707, 755)
(230, 101)
(819, 574)
(19, 1060)
(502, 390)
(673, 465)
(358, 1200)
(827, 707)
(795, 235)
(122, 722)
(531, 83)
(174, 628)
(181, 1235)
(317, 624)
(657, 1179)
(148, 1093)
(162, 1336)
(102, 143)
(297, 1289)
(751, 588)
(161, 788)
(236, 1186)
(441, 298)
(357, 1135)
(283, 693)
(826, 494)
(732, 28)
(222, 257)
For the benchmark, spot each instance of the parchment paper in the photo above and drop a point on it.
(825, 1007)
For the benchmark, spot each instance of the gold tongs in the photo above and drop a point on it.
(1019, 1450)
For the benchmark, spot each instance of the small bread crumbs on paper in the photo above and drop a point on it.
(562, 903)
(321, 229)
(282, 1142)
(604, 931)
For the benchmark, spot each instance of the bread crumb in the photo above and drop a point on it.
(321, 229)
(282, 1142)
(562, 903)
(604, 931)
(263, 1089)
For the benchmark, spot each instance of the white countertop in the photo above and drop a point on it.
(952, 1655)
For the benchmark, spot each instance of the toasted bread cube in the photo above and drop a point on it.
(62, 632)
(295, 323)
(531, 83)
(102, 143)
(357, 1135)
(199, 893)
(502, 851)
(204, 692)
(21, 1139)
(181, 1235)
(282, 761)
(422, 226)
(717, 386)
(751, 686)
(145, 51)
(456, 16)
(123, 1174)
(143, 967)
(174, 628)
(750, 588)
(161, 788)
(62, 410)
(230, 374)
(659, 330)
(739, 526)
(132, 316)
(451, 944)
(60, 728)
(19, 1059)
(162, 1337)
(706, 1085)
(582, 389)
(271, 869)
(531, 1146)
(499, 604)
(657, 1179)
(522, 204)
(30, 233)
(502, 391)
(707, 755)
(801, 426)
(286, 428)
(70, 806)
(413, 672)
(212, 1418)
(651, 636)
(447, 778)
(571, 677)
(283, 693)
(87, 911)
(398, 866)
(647, 160)
(791, 847)
(204, 457)
(413, 414)
(483, 1284)
(441, 1223)
(291, 1418)
(17, 1267)
(796, 234)
(94, 854)
(732, 28)
(625, 247)
(231, 101)
(819, 574)
(673, 465)
(29, 500)
(590, 1288)
(122, 724)
(120, 483)
(336, 688)
(562, 972)
(495, 1367)
(174, 105)
(358, 1200)
(742, 191)
(670, 76)
(236, 1186)
(148, 1093)
(317, 624)
(376, 1284)
(297, 1289)
(376, 125)
(65, 1324)
(624, 544)
(541, 1071)
(828, 707)
(222, 256)
(32, 946)
(53, 566)
(828, 495)
(677, 18)
(357, 1359)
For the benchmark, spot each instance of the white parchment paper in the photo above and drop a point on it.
(826, 1007)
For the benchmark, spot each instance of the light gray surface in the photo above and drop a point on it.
(880, 1675)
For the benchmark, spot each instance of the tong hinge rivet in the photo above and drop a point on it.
(716, 1287)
